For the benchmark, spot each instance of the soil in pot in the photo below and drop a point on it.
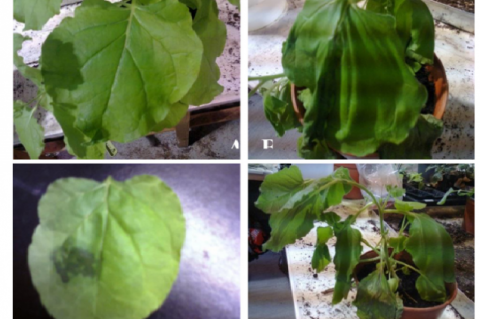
(423, 76)
(406, 289)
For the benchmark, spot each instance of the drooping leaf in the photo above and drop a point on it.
(213, 34)
(419, 143)
(35, 13)
(144, 59)
(110, 250)
(408, 206)
(347, 256)
(375, 299)
(321, 256)
(75, 140)
(29, 131)
(294, 203)
(330, 218)
(278, 108)
(432, 251)
(353, 62)
(444, 198)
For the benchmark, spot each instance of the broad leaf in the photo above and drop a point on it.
(419, 143)
(277, 104)
(398, 243)
(432, 251)
(408, 206)
(29, 131)
(144, 59)
(321, 256)
(213, 34)
(110, 250)
(294, 204)
(347, 256)
(35, 13)
(395, 191)
(75, 140)
(375, 299)
(353, 62)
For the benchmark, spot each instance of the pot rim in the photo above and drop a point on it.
(453, 288)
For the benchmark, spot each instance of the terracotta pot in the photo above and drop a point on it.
(469, 216)
(355, 193)
(437, 76)
(409, 312)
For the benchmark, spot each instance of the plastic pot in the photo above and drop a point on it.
(469, 216)
(355, 193)
(437, 75)
(409, 312)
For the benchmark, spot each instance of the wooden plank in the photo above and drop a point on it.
(183, 131)
(256, 177)
(214, 116)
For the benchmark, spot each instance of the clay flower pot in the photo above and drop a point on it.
(469, 216)
(437, 76)
(409, 312)
(355, 193)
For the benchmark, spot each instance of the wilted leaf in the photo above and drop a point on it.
(432, 251)
(110, 250)
(375, 299)
(364, 94)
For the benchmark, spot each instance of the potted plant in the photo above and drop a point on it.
(359, 81)
(118, 71)
(469, 214)
(425, 257)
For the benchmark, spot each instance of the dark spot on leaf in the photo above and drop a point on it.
(73, 261)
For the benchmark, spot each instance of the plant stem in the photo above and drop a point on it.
(266, 77)
(370, 259)
(408, 266)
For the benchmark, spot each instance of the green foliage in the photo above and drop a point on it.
(419, 141)
(110, 250)
(35, 13)
(375, 299)
(395, 191)
(29, 131)
(116, 72)
(294, 205)
(432, 251)
(321, 256)
(408, 206)
(277, 104)
(357, 71)
(347, 256)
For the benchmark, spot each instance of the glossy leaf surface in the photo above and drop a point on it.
(110, 250)
(145, 58)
